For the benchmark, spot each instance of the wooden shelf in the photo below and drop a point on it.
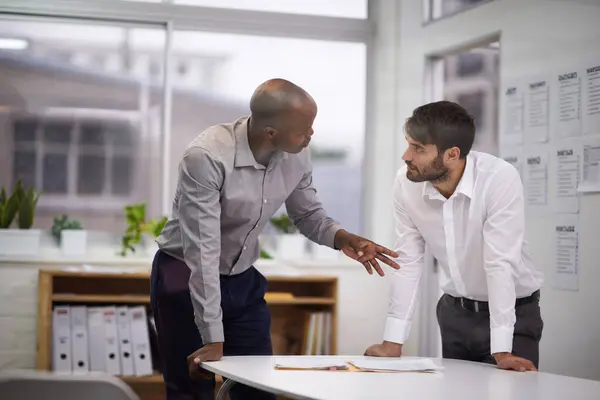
(100, 298)
(301, 301)
(309, 294)
(132, 299)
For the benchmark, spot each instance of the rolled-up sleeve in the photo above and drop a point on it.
(307, 212)
(410, 247)
(200, 180)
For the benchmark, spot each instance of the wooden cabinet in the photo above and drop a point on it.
(291, 299)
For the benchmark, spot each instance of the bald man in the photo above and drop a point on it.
(207, 298)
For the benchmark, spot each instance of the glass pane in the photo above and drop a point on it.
(91, 133)
(24, 130)
(91, 76)
(55, 174)
(231, 68)
(332, 8)
(24, 166)
(57, 132)
(119, 134)
(91, 173)
(121, 176)
(443, 8)
(471, 78)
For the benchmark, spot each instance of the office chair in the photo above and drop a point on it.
(42, 385)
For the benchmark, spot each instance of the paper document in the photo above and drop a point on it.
(569, 105)
(591, 166)
(537, 180)
(536, 108)
(310, 363)
(566, 252)
(567, 168)
(591, 116)
(396, 365)
(516, 160)
(514, 110)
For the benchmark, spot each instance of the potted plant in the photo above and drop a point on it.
(19, 208)
(291, 244)
(140, 234)
(71, 236)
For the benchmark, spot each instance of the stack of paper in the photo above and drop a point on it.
(396, 365)
(309, 363)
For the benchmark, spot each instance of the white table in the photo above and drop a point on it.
(460, 380)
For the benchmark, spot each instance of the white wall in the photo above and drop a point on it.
(536, 36)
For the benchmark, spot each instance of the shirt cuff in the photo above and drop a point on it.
(396, 330)
(329, 237)
(501, 340)
(212, 333)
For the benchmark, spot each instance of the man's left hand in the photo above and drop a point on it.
(365, 251)
(512, 362)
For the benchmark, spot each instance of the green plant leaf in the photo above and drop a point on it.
(9, 211)
(2, 198)
(27, 208)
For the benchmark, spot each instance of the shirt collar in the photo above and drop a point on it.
(243, 154)
(465, 185)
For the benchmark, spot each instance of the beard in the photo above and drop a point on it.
(434, 172)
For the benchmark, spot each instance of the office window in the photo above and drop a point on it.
(81, 121)
(102, 156)
(334, 73)
(436, 9)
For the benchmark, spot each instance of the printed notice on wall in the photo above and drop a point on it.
(591, 116)
(590, 181)
(569, 105)
(566, 252)
(536, 111)
(536, 167)
(567, 166)
(514, 158)
(514, 113)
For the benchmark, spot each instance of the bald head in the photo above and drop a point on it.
(276, 98)
(284, 112)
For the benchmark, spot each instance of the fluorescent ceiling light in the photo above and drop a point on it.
(13, 44)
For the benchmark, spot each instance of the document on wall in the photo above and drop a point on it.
(590, 181)
(591, 116)
(514, 114)
(566, 252)
(536, 111)
(537, 179)
(569, 105)
(567, 166)
(513, 157)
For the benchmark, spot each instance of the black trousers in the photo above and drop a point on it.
(246, 324)
(466, 333)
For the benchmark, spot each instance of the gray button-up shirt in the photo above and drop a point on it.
(223, 200)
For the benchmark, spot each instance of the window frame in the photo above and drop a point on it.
(72, 199)
(200, 18)
(432, 7)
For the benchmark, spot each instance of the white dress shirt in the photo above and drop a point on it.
(477, 236)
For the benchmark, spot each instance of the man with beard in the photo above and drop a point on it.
(207, 298)
(468, 208)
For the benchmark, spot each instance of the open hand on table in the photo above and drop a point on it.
(209, 352)
(385, 349)
(365, 251)
(512, 362)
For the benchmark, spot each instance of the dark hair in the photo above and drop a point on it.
(444, 124)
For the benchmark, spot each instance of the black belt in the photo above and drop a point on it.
(480, 306)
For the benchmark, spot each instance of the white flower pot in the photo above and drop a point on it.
(291, 246)
(19, 242)
(73, 242)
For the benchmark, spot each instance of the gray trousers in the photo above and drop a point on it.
(466, 332)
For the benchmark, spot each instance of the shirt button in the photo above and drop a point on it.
(245, 248)
(265, 200)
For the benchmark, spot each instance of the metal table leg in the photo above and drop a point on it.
(224, 389)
